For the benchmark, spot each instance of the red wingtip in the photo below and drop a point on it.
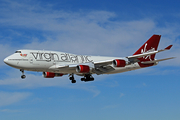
(169, 47)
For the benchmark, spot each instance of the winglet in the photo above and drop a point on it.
(169, 47)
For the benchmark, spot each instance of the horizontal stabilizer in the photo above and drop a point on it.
(149, 53)
(154, 61)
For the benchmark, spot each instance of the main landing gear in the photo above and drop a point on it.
(87, 77)
(72, 78)
(22, 76)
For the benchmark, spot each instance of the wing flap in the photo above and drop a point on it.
(102, 70)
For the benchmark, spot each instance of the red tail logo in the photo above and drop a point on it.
(149, 46)
(145, 50)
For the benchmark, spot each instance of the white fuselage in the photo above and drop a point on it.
(44, 61)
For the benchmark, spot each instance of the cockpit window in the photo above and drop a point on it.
(18, 52)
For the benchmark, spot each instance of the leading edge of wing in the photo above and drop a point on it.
(149, 53)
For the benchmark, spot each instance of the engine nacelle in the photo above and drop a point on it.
(51, 75)
(119, 63)
(83, 69)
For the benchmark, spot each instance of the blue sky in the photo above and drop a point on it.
(108, 28)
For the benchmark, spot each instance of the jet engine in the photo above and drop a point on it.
(51, 75)
(119, 63)
(83, 69)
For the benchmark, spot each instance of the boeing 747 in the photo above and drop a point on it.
(55, 64)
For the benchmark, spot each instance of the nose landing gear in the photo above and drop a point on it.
(22, 76)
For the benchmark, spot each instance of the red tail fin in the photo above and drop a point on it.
(150, 45)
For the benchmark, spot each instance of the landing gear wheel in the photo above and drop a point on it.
(82, 79)
(73, 81)
(23, 76)
(92, 79)
(71, 78)
(87, 77)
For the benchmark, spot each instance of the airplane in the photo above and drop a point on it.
(56, 64)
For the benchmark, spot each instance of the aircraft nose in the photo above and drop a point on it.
(6, 60)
